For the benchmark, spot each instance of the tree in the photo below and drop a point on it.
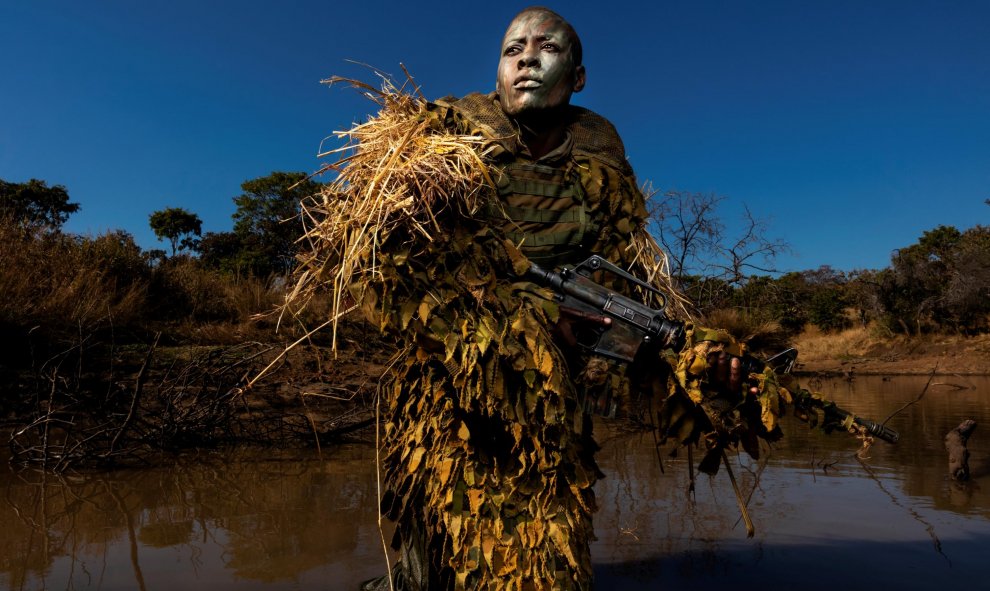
(688, 228)
(967, 295)
(780, 299)
(223, 251)
(696, 240)
(750, 251)
(705, 259)
(921, 273)
(35, 204)
(117, 256)
(266, 221)
(867, 294)
(177, 225)
(827, 301)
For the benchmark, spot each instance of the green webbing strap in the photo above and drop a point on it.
(559, 238)
(542, 216)
(539, 189)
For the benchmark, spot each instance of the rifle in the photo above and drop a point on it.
(633, 325)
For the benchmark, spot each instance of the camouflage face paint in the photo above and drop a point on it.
(536, 70)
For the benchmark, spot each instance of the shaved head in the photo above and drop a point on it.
(577, 52)
(540, 66)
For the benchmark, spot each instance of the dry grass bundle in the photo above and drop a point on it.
(395, 171)
(652, 264)
(759, 333)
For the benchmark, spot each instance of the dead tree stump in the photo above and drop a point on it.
(955, 445)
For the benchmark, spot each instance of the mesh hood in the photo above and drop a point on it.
(593, 135)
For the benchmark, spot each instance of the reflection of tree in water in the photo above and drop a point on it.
(273, 518)
(287, 517)
(47, 517)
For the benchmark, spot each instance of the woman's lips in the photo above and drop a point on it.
(527, 83)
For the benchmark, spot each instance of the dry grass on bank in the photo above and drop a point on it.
(54, 279)
(867, 351)
(74, 285)
(844, 345)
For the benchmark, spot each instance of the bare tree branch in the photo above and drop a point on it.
(689, 227)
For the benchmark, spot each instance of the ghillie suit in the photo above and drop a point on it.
(487, 457)
(436, 211)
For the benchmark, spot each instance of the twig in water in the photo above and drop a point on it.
(931, 376)
(756, 482)
(750, 528)
(937, 543)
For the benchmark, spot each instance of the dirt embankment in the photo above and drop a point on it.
(862, 351)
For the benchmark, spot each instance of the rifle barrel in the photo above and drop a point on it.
(876, 429)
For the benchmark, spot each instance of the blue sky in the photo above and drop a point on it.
(853, 126)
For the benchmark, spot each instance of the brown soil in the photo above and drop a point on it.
(107, 404)
(863, 351)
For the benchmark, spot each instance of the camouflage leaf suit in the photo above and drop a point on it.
(489, 461)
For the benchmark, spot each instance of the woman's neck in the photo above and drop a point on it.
(542, 131)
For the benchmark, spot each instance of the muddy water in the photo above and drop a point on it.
(297, 521)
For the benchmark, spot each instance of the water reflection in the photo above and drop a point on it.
(220, 519)
(296, 521)
(823, 517)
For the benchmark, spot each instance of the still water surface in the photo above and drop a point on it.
(264, 520)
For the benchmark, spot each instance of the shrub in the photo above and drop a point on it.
(49, 278)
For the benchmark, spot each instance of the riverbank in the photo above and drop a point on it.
(862, 351)
(104, 403)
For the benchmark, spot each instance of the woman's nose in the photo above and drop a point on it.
(529, 58)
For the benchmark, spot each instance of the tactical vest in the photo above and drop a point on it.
(543, 208)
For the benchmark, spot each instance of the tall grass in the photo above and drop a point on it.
(49, 278)
(66, 283)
